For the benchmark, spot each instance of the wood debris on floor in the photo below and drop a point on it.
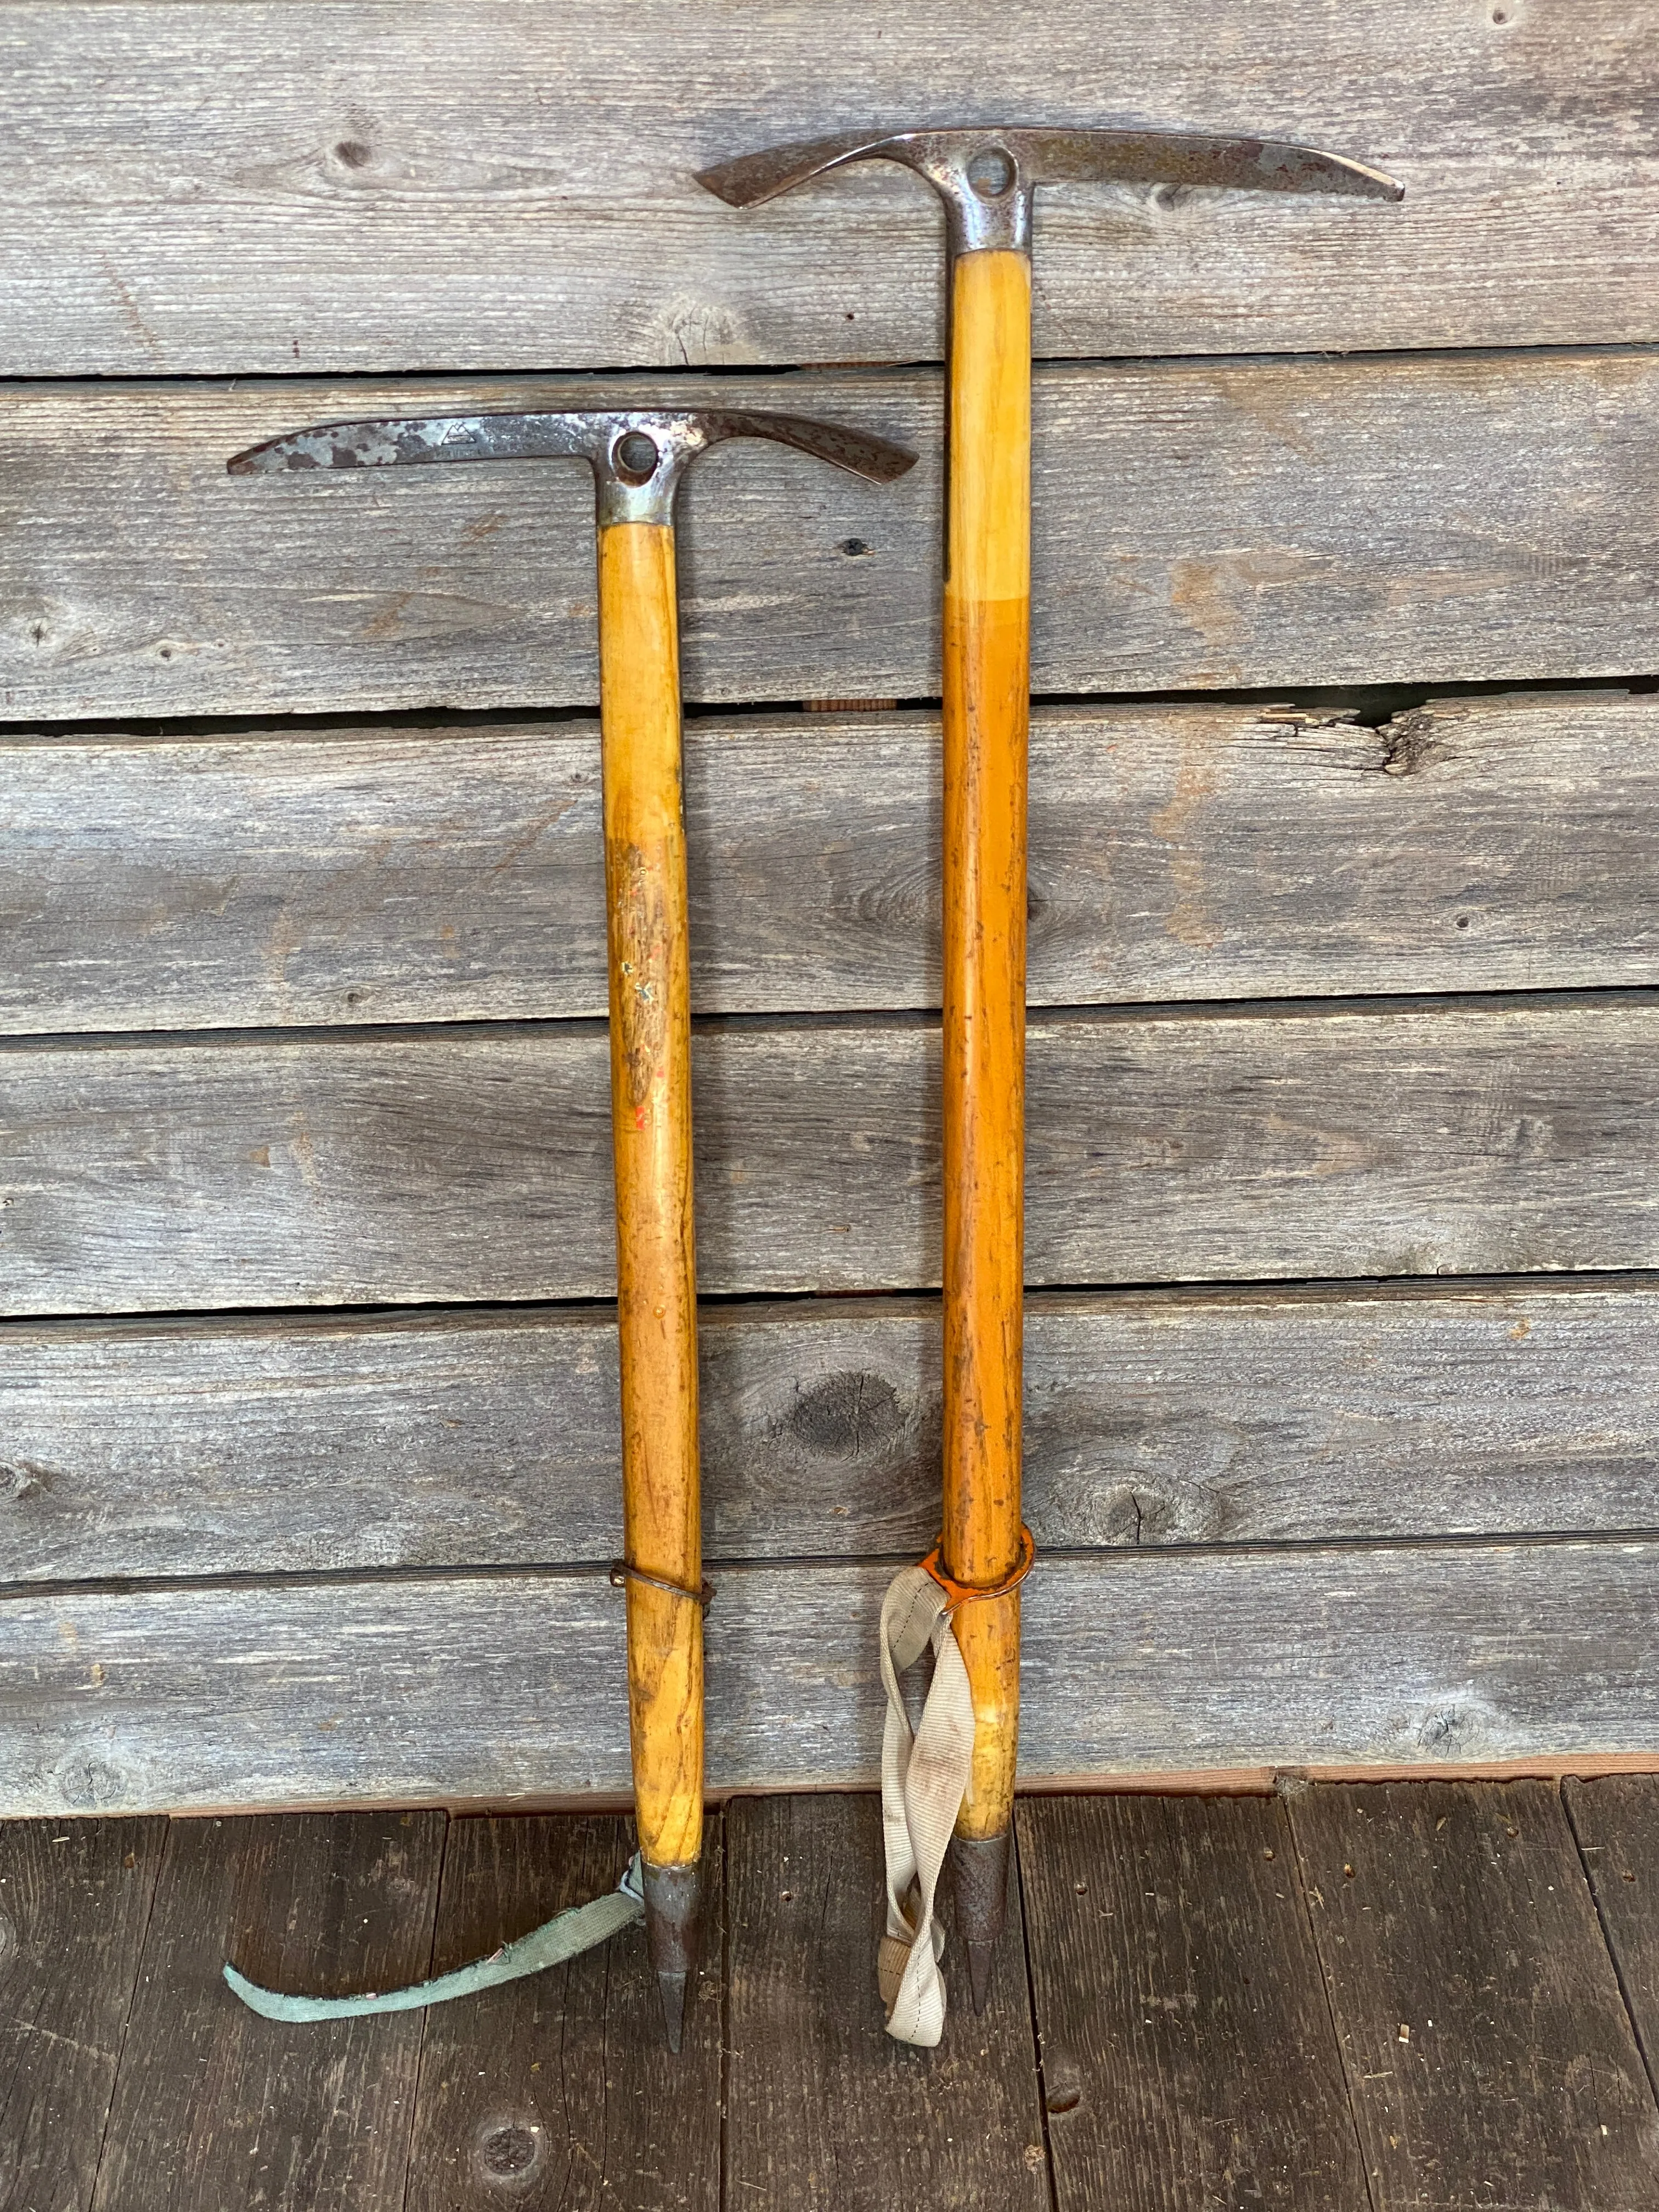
(1340, 1998)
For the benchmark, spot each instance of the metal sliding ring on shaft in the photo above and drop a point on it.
(971, 1593)
(622, 1573)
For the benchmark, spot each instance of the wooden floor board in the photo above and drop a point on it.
(823, 2109)
(1616, 1821)
(1490, 2060)
(558, 2090)
(1189, 2059)
(75, 1900)
(216, 2107)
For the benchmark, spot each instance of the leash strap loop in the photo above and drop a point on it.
(924, 1779)
(566, 1936)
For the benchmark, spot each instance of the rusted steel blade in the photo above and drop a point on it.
(1061, 157)
(594, 435)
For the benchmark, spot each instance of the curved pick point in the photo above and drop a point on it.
(753, 178)
(876, 459)
(1195, 157)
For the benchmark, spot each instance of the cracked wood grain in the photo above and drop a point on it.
(1615, 1820)
(1176, 853)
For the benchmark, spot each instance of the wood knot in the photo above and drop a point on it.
(848, 1415)
(509, 2149)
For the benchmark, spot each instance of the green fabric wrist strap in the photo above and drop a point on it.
(565, 1936)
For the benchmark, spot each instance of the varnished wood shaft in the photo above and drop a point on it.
(651, 1140)
(987, 682)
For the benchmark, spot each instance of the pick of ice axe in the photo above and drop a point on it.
(987, 176)
(638, 458)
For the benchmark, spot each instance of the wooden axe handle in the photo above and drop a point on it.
(651, 1139)
(987, 603)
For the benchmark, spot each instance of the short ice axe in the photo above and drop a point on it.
(638, 457)
(987, 176)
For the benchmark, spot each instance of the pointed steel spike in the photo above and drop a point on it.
(981, 1958)
(980, 1864)
(673, 1931)
(671, 1988)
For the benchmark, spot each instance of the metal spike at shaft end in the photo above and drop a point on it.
(671, 1988)
(980, 1864)
(673, 1931)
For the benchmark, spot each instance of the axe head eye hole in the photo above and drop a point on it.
(991, 172)
(634, 457)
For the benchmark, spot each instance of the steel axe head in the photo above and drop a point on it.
(638, 455)
(986, 174)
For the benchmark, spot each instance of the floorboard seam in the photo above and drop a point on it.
(1325, 1988)
(1036, 2031)
(1650, 2059)
(126, 2016)
(723, 2073)
(420, 2051)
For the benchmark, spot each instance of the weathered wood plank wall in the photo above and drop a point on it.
(1423, 519)
(429, 1165)
(398, 1689)
(1342, 990)
(482, 1436)
(362, 874)
(260, 186)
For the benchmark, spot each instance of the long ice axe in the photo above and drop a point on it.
(638, 457)
(987, 175)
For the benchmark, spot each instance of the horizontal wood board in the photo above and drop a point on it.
(512, 1686)
(239, 188)
(1177, 853)
(490, 1438)
(1203, 526)
(415, 1167)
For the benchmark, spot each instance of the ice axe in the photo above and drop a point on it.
(638, 458)
(987, 176)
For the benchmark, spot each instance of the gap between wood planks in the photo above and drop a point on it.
(1369, 706)
(1208, 1782)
